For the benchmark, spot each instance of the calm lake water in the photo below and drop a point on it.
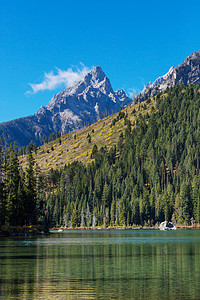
(102, 264)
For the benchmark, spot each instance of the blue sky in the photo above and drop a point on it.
(133, 41)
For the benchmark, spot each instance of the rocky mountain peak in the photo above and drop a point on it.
(186, 73)
(193, 57)
(97, 74)
(92, 95)
(99, 80)
(77, 106)
(85, 102)
(95, 79)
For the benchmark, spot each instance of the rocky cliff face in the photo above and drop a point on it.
(77, 106)
(186, 73)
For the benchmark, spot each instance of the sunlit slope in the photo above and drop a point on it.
(78, 145)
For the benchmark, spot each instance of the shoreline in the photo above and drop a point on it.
(121, 227)
(15, 231)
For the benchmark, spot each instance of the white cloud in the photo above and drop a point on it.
(63, 77)
(133, 92)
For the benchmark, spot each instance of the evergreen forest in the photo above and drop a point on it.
(150, 175)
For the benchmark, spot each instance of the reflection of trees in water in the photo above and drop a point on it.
(17, 270)
(135, 269)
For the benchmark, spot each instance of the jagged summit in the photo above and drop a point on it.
(85, 102)
(79, 105)
(158, 81)
(186, 73)
(95, 79)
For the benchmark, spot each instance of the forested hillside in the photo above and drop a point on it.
(78, 145)
(150, 175)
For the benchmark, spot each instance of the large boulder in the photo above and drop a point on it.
(167, 226)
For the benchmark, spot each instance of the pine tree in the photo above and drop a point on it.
(82, 218)
(30, 190)
(112, 213)
(106, 195)
(12, 180)
(74, 219)
(2, 198)
(185, 202)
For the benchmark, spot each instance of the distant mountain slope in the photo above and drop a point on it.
(186, 73)
(79, 105)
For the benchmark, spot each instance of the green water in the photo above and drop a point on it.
(102, 264)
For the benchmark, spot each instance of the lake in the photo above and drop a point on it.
(102, 264)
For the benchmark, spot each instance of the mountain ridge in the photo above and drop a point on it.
(81, 104)
(188, 72)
